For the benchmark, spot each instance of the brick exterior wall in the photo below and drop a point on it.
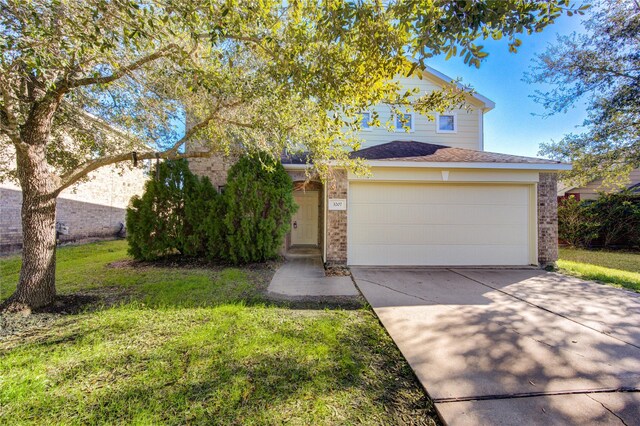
(547, 219)
(215, 168)
(337, 187)
(92, 209)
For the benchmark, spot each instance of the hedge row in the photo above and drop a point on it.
(612, 220)
(180, 213)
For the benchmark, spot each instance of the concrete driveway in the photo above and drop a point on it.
(513, 346)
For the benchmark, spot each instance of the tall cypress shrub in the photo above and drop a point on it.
(169, 216)
(257, 208)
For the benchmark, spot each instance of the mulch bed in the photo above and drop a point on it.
(337, 271)
(178, 261)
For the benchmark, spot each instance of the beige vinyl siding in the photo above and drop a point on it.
(468, 133)
(590, 191)
(439, 224)
(405, 174)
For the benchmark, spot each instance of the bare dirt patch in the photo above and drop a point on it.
(14, 323)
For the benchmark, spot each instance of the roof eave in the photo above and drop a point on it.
(297, 166)
(448, 165)
(470, 165)
(488, 103)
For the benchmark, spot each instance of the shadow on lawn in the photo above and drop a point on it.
(168, 287)
(209, 372)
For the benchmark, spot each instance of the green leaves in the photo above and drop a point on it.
(611, 220)
(260, 74)
(439, 27)
(601, 68)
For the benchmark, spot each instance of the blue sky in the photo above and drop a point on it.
(510, 127)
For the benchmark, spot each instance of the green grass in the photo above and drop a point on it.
(621, 269)
(198, 346)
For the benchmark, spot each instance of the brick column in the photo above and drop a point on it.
(547, 219)
(337, 186)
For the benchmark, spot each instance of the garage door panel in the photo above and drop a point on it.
(451, 255)
(442, 194)
(438, 224)
(440, 234)
(467, 214)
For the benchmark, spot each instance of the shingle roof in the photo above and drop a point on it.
(427, 152)
(432, 153)
(296, 158)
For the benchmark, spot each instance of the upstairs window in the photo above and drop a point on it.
(446, 123)
(404, 122)
(365, 120)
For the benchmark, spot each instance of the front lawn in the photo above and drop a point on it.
(612, 267)
(198, 346)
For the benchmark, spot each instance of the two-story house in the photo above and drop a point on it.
(434, 196)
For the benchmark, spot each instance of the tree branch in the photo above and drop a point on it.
(249, 40)
(121, 72)
(172, 153)
(254, 41)
(614, 72)
(169, 154)
(238, 123)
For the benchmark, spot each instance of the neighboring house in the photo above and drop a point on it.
(590, 191)
(92, 209)
(434, 197)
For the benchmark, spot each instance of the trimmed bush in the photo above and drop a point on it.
(168, 217)
(200, 199)
(214, 230)
(257, 206)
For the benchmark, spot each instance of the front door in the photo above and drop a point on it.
(304, 226)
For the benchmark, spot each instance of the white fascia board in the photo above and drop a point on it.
(454, 165)
(297, 166)
(488, 103)
(563, 190)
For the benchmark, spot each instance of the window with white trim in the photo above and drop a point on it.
(402, 122)
(365, 120)
(446, 123)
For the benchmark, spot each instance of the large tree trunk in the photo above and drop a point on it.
(36, 287)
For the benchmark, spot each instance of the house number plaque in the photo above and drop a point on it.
(337, 204)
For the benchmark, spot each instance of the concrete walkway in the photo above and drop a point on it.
(302, 277)
(502, 347)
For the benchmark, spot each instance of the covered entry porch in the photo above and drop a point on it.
(307, 224)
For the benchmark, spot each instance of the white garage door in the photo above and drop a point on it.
(438, 224)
